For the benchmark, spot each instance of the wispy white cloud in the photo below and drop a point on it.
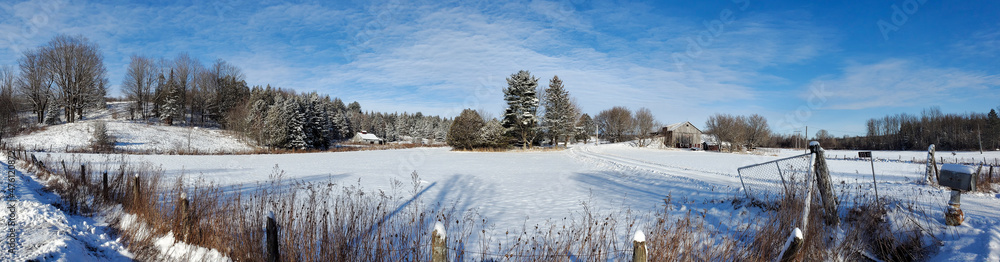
(983, 43)
(906, 83)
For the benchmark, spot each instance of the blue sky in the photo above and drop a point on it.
(829, 65)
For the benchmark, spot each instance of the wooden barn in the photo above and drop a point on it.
(367, 138)
(681, 135)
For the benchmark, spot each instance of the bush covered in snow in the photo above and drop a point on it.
(101, 140)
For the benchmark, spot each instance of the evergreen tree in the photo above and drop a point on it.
(296, 121)
(993, 129)
(492, 135)
(585, 127)
(275, 129)
(52, 113)
(172, 104)
(319, 122)
(522, 104)
(464, 132)
(342, 125)
(559, 112)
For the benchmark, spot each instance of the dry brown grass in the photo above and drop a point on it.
(988, 177)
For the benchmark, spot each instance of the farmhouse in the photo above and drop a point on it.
(681, 135)
(365, 137)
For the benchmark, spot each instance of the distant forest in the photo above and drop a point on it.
(917, 132)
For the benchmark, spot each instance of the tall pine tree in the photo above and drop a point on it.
(559, 112)
(172, 104)
(522, 105)
(297, 138)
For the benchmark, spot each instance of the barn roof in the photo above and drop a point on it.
(673, 127)
(368, 136)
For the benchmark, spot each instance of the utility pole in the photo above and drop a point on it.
(979, 134)
(806, 136)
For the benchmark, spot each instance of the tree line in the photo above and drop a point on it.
(969, 131)
(742, 132)
(58, 81)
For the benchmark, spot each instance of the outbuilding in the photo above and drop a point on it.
(365, 137)
(681, 135)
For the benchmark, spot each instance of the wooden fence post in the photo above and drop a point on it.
(991, 175)
(65, 171)
(439, 245)
(135, 191)
(185, 217)
(104, 183)
(792, 246)
(83, 174)
(639, 247)
(825, 185)
(272, 238)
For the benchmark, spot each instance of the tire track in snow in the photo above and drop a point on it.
(703, 178)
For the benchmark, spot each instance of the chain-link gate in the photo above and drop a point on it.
(773, 179)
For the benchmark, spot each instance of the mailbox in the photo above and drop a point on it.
(958, 177)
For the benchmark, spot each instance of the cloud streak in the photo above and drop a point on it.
(906, 83)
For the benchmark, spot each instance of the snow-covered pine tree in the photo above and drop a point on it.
(491, 135)
(320, 123)
(522, 104)
(559, 113)
(342, 125)
(309, 124)
(275, 128)
(172, 104)
(52, 112)
(295, 125)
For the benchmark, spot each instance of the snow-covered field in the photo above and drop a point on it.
(513, 189)
(130, 136)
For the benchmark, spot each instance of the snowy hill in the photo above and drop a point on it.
(131, 136)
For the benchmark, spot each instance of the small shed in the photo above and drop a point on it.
(681, 135)
(365, 137)
(712, 143)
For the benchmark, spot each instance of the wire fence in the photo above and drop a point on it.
(770, 180)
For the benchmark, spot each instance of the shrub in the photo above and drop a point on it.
(464, 131)
(101, 141)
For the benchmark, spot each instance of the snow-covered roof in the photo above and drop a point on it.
(711, 139)
(957, 168)
(368, 136)
(675, 126)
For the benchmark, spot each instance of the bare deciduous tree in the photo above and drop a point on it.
(747, 132)
(9, 122)
(616, 123)
(645, 122)
(725, 127)
(757, 131)
(77, 69)
(35, 84)
(139, 82)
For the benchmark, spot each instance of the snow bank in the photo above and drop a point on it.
(171, 248)
(48, 234)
